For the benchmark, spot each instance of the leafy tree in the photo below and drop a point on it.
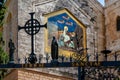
(3, 55)
(2, 11)
(4, 58)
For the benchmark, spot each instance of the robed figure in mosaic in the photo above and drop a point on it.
(69, 33)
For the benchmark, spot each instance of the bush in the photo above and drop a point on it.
(2, 12)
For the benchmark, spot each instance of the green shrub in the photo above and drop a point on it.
(2, 13)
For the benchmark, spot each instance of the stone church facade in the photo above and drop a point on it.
(100, 21)
(83, 10)
(111, 24)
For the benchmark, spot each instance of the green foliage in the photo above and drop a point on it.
(0, 34)
(2, 14)
(3, 55)
(2, 1)
(4, 58)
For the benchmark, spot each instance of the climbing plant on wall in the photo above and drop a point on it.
(4, 58)
(2, 12)
(3, 55)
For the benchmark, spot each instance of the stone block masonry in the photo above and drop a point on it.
(25, 74)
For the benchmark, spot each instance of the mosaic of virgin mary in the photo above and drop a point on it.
(66, 31)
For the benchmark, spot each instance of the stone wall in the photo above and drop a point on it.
(110, 2)
(23, 74)
(112, 35)
(100, 23)
(95, 29)
(91, 15)
(24, 42)
(11, 26)
(83, 13)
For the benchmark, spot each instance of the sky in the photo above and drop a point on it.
(102, 2)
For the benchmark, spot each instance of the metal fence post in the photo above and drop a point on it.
(79, 73)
